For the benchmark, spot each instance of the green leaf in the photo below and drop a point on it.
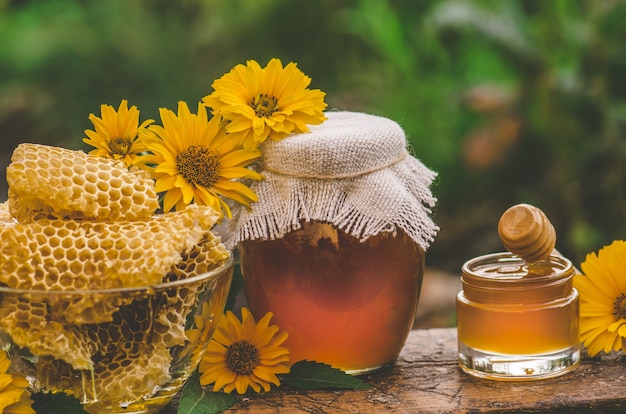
(196, 400)
(235, 287)
(311, 375)
(54, 403)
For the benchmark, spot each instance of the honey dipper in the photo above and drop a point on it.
(526, 232)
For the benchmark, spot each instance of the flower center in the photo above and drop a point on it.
(242, 357)
(120, 146)
(198, 165)
(619, 307)
(264, 105)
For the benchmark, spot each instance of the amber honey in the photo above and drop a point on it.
(344, 302)
(515, 320)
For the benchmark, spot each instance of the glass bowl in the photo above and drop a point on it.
(126, 350)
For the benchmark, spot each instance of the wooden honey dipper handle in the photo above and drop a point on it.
(526, 232)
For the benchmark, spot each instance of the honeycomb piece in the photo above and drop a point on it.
(171, 319)
(207, 255)
(133, 323)
(5, 214)
(135, 344)
(53, 182)
(170, 308)
(28, 322)
(130, 376)
(119, 376)
(72, 255)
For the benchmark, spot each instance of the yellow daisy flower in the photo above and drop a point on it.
(244, 354)
(603, 299)
(266, 102)
(193, 160)
(14, 399)
(199, 334)
(115, 134)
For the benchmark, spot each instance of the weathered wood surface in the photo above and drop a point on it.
(426, 379)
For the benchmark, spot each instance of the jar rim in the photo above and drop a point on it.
(515, 271)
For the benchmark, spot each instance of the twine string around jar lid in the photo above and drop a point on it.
(353, 171)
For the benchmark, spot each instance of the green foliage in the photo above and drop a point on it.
(311, 375)
(304, 375)
(49, 403)
(236, 288)
(508, 100)
(197, 400)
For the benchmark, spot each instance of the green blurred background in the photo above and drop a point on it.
(509, 101)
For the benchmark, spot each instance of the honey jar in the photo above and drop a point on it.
(335, 246)
(515, 320)
(344, 302)
(518, 319)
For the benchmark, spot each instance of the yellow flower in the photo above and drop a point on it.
(115, 134)
(244, 354)
(603, 299)
(14, 399)
(199, 335)
(193, 160)
(266, 102)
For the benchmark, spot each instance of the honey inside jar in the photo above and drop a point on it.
(509, 308)
(344, 302)
(517, 315)
(517, 321)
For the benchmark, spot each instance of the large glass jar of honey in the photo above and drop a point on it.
(344, 302)
(335, 246)
(515, 320)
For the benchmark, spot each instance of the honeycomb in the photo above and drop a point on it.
(124, 376)
(206, 255)
(72, 254)
(5, 214)
(27, 321)
(60, 245)
(131, 353)
(76, 255)
(53, 182)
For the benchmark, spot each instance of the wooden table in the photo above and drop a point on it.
(426, 379)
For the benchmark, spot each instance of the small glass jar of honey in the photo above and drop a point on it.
(517, 320)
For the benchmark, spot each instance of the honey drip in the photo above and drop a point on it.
(526, 232)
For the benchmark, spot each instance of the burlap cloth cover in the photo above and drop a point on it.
(353, 171)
